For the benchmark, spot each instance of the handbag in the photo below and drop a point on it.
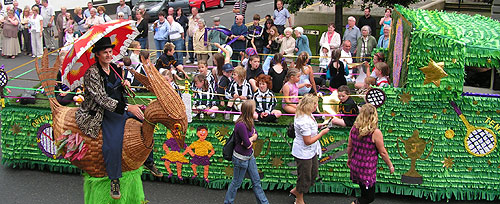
(227, 150)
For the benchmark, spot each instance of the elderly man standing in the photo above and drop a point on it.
(352, 33)
(383, 41)
(239, 31)
(127, 13)
(215, 36)
(280, 16)
(48, 15)
(192, 27)
(61, 26)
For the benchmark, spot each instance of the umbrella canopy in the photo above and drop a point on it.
(80, 56)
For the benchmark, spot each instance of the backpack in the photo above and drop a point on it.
(290, 130)
(227, 150)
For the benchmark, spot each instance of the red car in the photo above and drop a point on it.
(202, 5)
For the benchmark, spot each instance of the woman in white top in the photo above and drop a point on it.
(330, 38)
(36, 23)
(306, 148)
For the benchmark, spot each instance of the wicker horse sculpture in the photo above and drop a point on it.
(168, 110)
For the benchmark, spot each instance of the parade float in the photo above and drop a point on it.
(440, 137)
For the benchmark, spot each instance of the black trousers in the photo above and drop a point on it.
(367, 194)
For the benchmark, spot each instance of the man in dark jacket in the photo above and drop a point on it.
(368, 20)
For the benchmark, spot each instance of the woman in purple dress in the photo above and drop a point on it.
(365, 143)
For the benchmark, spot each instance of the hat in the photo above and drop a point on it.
(250, 51)
(216, 19)
(227, 67)
(102, 44)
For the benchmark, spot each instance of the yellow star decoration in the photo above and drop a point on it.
(228, 171)
(277, 162)
(434, 72)
(405, 97)
(447, 162)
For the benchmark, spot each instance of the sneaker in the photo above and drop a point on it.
(153, 169)
(188, 61)
(202, 115)
(212, 115)
(33, 56)
(195, 62)
(115, 189)
(227, 116)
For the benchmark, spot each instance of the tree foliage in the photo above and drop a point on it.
(295, 5)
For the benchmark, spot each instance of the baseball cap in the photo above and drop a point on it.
(227, 67)
(217, 19)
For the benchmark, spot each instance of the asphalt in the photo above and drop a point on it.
(40, 186)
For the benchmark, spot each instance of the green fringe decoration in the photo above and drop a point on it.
(97, 190)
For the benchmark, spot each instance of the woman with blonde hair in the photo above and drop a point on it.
(365, 143)
(306, 148)
(243, 160)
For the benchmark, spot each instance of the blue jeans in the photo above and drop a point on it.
(239, 170)
(159, 46)
(179, 45)
(190, 48)
(143, 42)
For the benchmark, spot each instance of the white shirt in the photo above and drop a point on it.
(345, 57)
(47, 13)
(175, 31)
(305, 125)
(35, 23)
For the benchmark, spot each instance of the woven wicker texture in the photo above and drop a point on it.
(136, 147)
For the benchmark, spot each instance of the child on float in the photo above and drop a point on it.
(347, 106)
(382, 72)
(203, 70)
(134, 54)
(324, 61)
(222, 78)
(367, 71)
(253, 70)
(139, 68)
(225, 81)
(368, 84)
(203, 96)
(337, 70)
(291, 90)
(203, 150)
(173, 155)
(265, 100)
(278, 72)
(306, 74)
(169, 76)
(167, 61)
(238, 91)
(273, 46)
(245, 56)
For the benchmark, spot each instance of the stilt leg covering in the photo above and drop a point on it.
(96, 190)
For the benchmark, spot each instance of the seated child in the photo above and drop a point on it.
(265, 100)
(291, 88)
(277, 72)
(347, 106)
(224, 81)
(238, 90)
(245, 56)
(203, 97)
(134, 55)
(203, 70)
(367, 85)
(203, 150)
(167, 61)
(324, 61)
(253, 70)
(139, 69)
(382, 73)
(170, 79)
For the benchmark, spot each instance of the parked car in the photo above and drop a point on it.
(153, 7)
(202, 5)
